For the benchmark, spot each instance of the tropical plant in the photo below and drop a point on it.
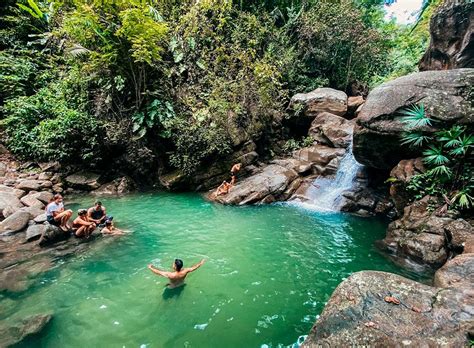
(447, 152)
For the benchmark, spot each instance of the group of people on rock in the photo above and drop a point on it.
(85, 223)
(225, 187)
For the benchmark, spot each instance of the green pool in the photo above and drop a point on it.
(269, 272)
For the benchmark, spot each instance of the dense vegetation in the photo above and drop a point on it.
(178, 82)
(448, 155)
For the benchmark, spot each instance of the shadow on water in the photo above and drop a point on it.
(172, 293)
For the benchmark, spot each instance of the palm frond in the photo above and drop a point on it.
(442, 170)
(434, 155)
(415, 117)
(414, 139)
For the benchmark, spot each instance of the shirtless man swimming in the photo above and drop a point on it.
(177, 277)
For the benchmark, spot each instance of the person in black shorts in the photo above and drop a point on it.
(97, 214)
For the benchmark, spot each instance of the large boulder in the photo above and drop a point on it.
(446, 96)
(319, 154)
(31, 201)
(9, 201)
(15, 222)
(16, 192)
(331, 130)
(378, 309)
(457, 272)
(320, 100)
(14, 334)
(29, 185)
(452, 37)
(35, 231)
(266, 186)
(118, 186)
(84, 180)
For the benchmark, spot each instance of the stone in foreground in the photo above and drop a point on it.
(11, 335)
(358, 314)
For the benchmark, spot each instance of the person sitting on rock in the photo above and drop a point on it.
(234, 171)
(110, 229)
(97, 214)
(82, 226)
(224, 188)
(56, 214)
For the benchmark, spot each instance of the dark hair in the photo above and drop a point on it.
(56, 196)
(81, 212)
(179, 264)
(98, 203)
(108, 223)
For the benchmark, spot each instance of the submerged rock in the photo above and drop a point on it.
(12, 334)
(445, 95)
(378, 309)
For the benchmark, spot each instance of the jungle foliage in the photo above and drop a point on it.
(448, 154)
(189, 79)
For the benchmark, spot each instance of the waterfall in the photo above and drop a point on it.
(325, 193)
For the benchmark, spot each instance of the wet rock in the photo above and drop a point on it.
(318, 154)
(357, 314)
(13, 334)
(84, 180)
(331, 130)
(35, 232)
(272, 181)
(452, 39)
(321, 100)
(52, 234)
(15, 222)
(457, 273)
(445, 95)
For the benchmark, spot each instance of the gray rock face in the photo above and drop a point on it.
(29, 185)
(16, 192)
(424, 237)
(331, 130)
(452, 38)
(457, 273)
(321, 100)
(9, 201)
(35, 231)
(358, 314)
(118, 186)
(445, 95)
(267, 185)
(30, 200)
(13, 334)
(84, 180)
(15, 222)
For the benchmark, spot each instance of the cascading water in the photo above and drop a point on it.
(324, 193)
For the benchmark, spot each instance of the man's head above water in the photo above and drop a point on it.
(178, 264)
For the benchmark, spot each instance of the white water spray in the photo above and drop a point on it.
(325, 193)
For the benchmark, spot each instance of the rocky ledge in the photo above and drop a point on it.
(378, 309)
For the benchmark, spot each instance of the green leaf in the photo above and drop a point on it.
(29, 10)
(415, 117)
(35, 8)
(415, 139)
(178, 57)
(442, 170)
(201, 65)
(434, 155)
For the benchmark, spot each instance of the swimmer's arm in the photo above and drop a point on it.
(195, 267)
(157, 271)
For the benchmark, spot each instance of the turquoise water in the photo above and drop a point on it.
(269, 272)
